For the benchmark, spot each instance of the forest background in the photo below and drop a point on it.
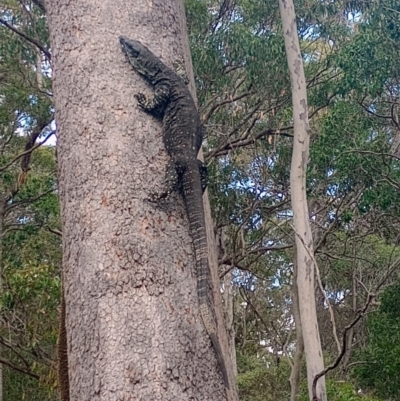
(351, 54)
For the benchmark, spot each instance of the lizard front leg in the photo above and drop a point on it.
(156, 104)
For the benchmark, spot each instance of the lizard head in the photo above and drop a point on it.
(141, 58)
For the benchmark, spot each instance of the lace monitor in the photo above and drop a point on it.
(182, 137)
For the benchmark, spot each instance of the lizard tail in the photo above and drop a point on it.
(218, 351)
(207, 315)
(193, 195)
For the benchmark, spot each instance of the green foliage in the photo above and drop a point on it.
(30, 256)
(26, 389)
(31, 293)
(263, 378)
(380, 371)
(351, 57)
(341, 391)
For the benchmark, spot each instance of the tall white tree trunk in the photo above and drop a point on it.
(295, 374)
(304, 240)
(132, 319)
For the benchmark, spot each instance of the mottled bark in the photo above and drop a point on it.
(133, 325)
(303, 233)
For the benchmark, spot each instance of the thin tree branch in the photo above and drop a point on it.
(344, 342)
(239, 143)
(395, 265)
(262, 320)
(329, 229)
(31, 200)
(26, 152)
(223, 102)
(19, 369)
(374, 114)
(321, 287)
(284, 348)
(365, 152)
(356, 363)
(54, 231)
(11, 347)
(29, 39)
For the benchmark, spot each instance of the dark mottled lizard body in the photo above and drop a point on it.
(182, 136)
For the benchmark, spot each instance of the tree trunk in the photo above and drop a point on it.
(304, 240)
(295, 374)
(133, 325)
(228, 300)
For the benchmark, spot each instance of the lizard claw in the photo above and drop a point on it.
(141, 99)
(155, 197)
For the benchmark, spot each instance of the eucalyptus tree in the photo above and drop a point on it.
(132, 315)
(245, 96)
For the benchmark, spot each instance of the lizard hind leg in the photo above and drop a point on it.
(172, 183)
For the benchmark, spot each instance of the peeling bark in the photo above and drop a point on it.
(303, 233)
(295, 374)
